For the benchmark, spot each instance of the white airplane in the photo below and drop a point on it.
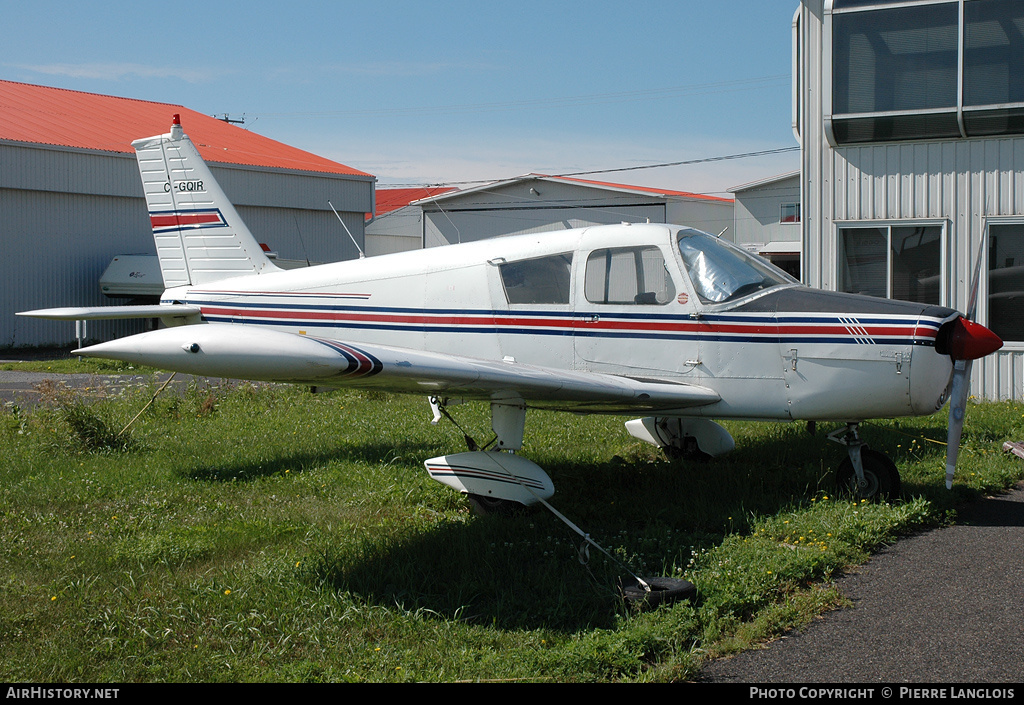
(655, 320)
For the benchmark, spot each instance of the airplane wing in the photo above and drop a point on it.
(106, 313)
(246, 352)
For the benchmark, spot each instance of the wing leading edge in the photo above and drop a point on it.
(242, 352)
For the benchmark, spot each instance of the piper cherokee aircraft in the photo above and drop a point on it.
(660, 321)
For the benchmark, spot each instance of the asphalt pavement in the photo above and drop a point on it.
(26, 389)
(946, 606)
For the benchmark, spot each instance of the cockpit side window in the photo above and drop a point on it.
(628, 275)
(721, 272)
(544, 280)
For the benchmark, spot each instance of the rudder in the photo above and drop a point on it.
(199, 235)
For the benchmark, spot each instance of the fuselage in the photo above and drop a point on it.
(642, 300)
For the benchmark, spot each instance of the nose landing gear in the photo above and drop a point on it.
(864, 473)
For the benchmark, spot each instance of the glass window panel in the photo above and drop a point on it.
(902, 262)
(790, 213)
(862, 3)
(916, 263)
(1006, 281)
(895, 59)
(628, 275)
(863, 261)
(1000, 121)
(896, 127)
(538, 281)
(993, 52)
(722, 272)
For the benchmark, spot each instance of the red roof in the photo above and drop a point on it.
(56, 116)
(390, 199)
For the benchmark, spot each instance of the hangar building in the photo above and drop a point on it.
(71, 199)
(911, 121)
(538, 203)
(766, 219)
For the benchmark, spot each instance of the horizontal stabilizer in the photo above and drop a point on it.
(109, 313)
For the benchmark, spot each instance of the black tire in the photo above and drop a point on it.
(663, 591)
(689, 452)
(490, 506)
(880, 473)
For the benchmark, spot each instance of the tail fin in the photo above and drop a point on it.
(199, 236)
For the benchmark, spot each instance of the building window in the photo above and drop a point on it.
(897, 71)
(895, 262)
(1006, 281)
(628, 275)
(993, 67)
(789, 213)
(544, 280)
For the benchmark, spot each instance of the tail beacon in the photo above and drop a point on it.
(199, 236)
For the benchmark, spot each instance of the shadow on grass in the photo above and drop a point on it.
(525, 572)
(249, 469)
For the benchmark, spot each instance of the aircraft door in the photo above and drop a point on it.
(533, 310)
(634, 314)
(739, 349)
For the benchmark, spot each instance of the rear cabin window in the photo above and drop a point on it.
(544, 280)
(628, 275)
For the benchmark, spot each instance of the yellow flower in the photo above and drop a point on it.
(227, 592)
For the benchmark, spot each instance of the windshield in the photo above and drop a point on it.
(722, 272)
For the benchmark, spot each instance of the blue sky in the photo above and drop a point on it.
(448, 92)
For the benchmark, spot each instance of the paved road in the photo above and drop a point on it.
(25, 389)
(945, 606)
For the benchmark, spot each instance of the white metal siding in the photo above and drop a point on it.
(962, 184)
(56, 246)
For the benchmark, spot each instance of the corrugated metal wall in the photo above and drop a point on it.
(965, 185)
(55, 247)
(757, 213)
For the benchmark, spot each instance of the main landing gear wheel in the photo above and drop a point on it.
(492, 506)
(662, 591)
(686, 450)
(881, 478)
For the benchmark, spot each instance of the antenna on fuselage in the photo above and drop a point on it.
(723, 232)
(361, 255)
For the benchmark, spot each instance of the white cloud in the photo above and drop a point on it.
(121, 71)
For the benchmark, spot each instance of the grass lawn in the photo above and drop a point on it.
(263, 533)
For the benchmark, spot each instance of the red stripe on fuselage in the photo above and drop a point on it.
(767, 328)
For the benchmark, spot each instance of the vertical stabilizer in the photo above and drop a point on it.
(199, 236)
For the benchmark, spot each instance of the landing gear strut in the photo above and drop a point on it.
(492, 477)
(864, 473)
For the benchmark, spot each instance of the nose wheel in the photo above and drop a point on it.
(865, 473)
(881, 479)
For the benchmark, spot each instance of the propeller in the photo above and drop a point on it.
(968, 342)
